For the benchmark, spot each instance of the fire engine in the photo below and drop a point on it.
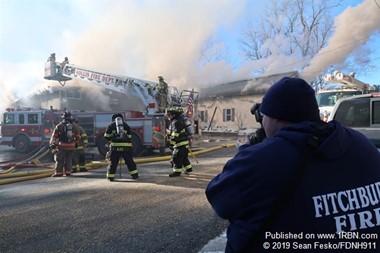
(27, 128)
(348, 86)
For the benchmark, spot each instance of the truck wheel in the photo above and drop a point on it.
(137, 146)
(22, 144)
(103, 146)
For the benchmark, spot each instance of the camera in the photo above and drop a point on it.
(259, 135)
(255, 110)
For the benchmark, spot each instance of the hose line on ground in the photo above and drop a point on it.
(7, 178)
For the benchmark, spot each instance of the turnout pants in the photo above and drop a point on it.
(63, 161)
(114, 161)
(79, 159)
(180, 158)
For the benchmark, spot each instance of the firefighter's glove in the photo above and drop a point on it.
(76, 144)
(53, 146)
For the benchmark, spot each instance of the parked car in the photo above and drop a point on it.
(362, 113)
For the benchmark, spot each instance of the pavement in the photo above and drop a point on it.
(216, 245)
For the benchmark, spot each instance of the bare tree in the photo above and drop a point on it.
(213, 51)
(299, 28)
(240, 119)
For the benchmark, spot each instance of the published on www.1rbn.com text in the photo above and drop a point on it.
(318, 241)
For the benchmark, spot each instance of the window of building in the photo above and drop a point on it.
(72, 94)
(203, 115)
(229, 114)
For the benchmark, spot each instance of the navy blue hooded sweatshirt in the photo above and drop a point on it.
(335, 188)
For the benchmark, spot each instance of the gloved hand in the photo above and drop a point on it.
(257, 137)
(53, 146)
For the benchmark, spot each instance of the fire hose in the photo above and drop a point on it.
(7, 177)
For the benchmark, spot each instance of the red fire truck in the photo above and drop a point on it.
(27, 128)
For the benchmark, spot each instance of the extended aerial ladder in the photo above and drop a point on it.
(347, 81)
(145, 90)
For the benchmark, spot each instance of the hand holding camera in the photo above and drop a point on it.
(259, 135)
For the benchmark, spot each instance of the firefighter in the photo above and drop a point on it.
(162, 93)
(179, 142)
(119, 134)
(79, 158)
(63, 142)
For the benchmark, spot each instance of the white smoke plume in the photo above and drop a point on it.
(142, 39)
(353, 28)
(162, 38)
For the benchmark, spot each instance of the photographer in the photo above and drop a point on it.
(119, 134)
(305, 177)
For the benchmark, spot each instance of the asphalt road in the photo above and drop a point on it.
(86, 213)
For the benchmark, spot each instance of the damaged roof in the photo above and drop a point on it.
(257, 85)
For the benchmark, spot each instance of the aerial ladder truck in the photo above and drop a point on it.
(145, 90)
(348, 86)
(153, 126)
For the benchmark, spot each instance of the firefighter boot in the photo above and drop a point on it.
(57, 174)
(135, 176)
(187, 171)
(83, 169)
(175, 174)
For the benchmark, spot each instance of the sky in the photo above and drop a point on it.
(149, 38)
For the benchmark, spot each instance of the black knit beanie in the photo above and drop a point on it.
(291, 99)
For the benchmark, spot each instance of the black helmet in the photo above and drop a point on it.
(160, 78)
(117, 115)
(175, 111)
(67, 115)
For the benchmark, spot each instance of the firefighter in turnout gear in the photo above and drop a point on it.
(79, 158)
(119, 134)
(163, 91)
(63, 142)
(179, 142)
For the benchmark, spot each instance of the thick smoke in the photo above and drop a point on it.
(142, 39)
(162, 38)
(353, 29)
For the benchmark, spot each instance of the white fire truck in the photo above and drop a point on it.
(348, 86)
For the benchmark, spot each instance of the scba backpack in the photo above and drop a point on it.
(189, 130)
(67, 133)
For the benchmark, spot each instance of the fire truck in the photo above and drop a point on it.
(148, 126)
(27, 128)
(348, 86)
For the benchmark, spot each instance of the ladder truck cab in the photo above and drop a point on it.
(348, 86)
(27, 128)
(148, 131)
